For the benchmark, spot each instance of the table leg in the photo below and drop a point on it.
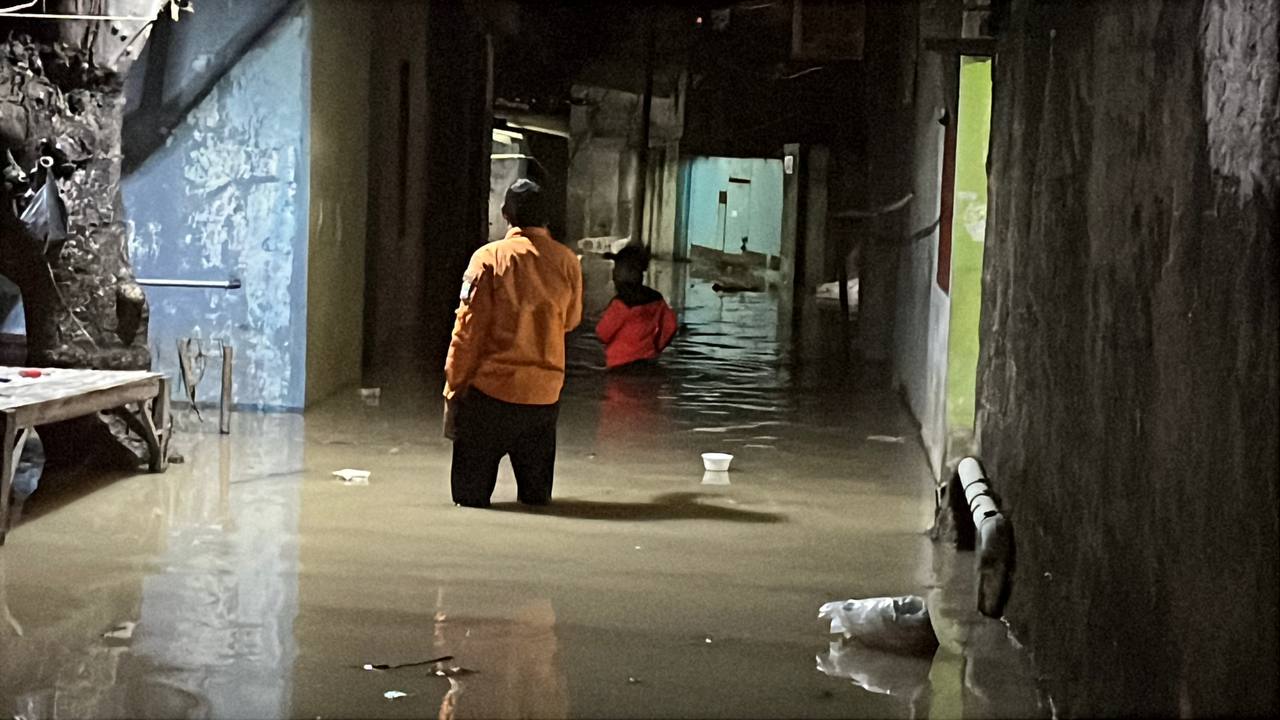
(154, 415)
(9, 454)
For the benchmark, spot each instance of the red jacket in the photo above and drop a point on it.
(640, 330)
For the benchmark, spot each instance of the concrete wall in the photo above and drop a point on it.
(180, 64)
(922, 323)
(757, 204)
(396, 262)
(813, 166)
(871, 166)
(603, 157)
(226, 195)
(454, 202)
(1130, 372)
(340, 59)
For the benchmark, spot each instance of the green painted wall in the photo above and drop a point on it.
(968, 226)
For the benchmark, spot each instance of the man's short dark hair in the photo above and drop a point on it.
(524, 205)
(634, 257)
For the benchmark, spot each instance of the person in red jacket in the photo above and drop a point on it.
(638, 324)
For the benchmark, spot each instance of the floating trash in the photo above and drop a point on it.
(123, 631)
(886, 438)
(351, 476)
(716, 461)
(898, 624)
(396, 666)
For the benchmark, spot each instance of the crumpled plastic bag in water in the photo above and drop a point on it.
(897, 624)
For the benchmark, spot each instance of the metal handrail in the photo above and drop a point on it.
(232, 284)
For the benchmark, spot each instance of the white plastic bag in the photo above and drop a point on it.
(46, 215)
(898, 624)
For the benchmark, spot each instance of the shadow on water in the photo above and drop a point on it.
(668, 506)
(63, 486)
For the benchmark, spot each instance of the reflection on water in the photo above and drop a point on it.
(737, 375)
(521, 679)
(715, 477)
(217, 618)
(211, 614)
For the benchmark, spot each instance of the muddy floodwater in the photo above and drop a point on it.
(248, 582)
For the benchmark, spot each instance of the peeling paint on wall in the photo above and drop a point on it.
(1241, 86)
(223, 200)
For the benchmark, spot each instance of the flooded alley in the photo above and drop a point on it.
(536, 359)
(255, 584)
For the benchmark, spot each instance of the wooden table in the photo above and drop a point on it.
(141, 398)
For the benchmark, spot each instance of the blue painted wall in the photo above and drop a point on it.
(758, 204)
(227, 195)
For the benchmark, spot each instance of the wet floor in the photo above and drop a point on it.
(247, 582)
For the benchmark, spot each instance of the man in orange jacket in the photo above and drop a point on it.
(505, 367)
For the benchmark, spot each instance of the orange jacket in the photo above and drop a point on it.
(520, 295)
(637, 330)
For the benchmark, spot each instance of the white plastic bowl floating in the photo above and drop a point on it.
(716, 461)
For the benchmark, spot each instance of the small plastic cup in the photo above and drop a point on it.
(716, 462)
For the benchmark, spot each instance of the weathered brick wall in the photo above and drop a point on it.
(1128, 381)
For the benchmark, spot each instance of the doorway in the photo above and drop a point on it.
(967, 225)
(732, 215)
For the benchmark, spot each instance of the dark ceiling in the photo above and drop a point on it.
(746, 94)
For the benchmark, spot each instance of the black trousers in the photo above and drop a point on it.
(486, 430)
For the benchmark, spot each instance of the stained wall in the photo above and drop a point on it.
(338, 193)
(226, 196)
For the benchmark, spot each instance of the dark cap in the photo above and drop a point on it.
(524, 205)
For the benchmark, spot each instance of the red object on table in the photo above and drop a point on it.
(29, 373)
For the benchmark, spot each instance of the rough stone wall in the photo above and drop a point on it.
(1128, 381)
(82, 306)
